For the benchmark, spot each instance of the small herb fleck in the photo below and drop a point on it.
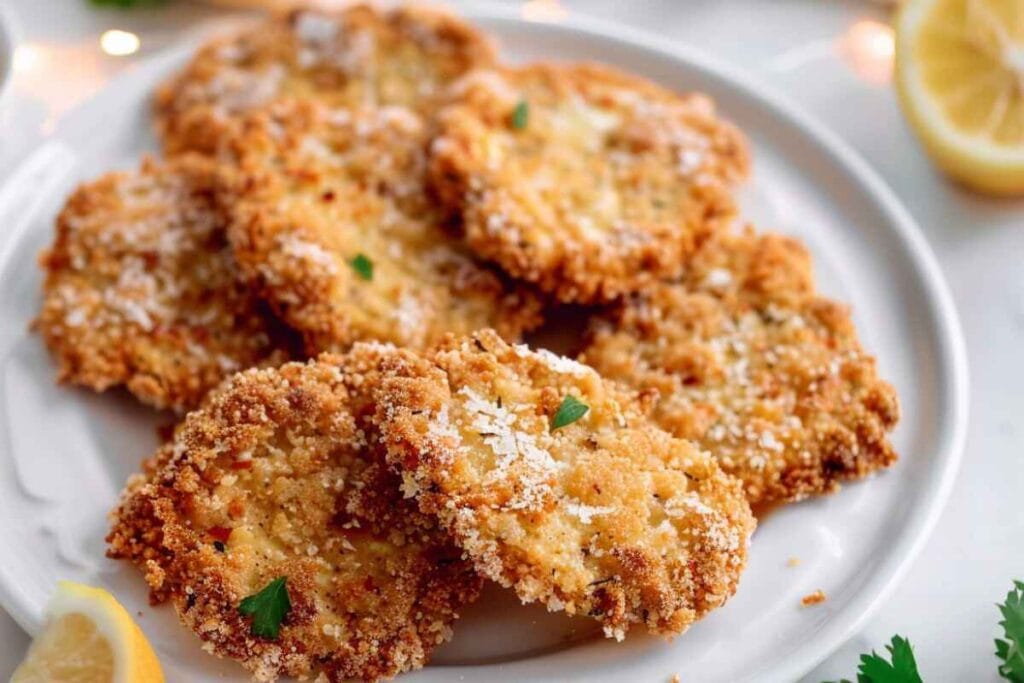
(267, 608)
(570, 411)
(219, 546)
(363, 266)
(521, 115)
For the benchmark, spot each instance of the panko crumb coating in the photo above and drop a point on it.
(357, 57)
(587, 181)
(335, 228)
(141, 288)
(609, 516)
(750, 363)
(277, 476)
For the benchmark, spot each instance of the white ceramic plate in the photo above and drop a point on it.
(64, 453)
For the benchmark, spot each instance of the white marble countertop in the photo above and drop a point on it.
(945, 605)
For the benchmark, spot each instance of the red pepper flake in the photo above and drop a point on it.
(219, 533)
(241, 465)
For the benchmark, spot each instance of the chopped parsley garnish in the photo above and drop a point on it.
(267, 608)
(521, 115)
(875, 668)
(1011, 650)
(570, 411)
(363, 266)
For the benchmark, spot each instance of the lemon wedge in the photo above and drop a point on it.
(88, 638)
(960, 77)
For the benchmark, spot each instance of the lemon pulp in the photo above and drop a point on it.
(88, 638)
(960, 73)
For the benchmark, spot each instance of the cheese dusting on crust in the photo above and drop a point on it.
(752, 365)
(602, 184)
(321, 190)
(358, 57)
(278, 475)
(608, 517)
(142, 288)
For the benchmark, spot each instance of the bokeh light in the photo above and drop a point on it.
(119, 43)
(868, 47)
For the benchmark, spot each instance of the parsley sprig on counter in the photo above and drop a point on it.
(1010, 648)
(875, 668)
(902, 667)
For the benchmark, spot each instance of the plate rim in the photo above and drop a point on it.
(951, 347)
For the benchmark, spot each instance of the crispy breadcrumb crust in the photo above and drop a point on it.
(355, 57)
(142, 289)
(323, 187)
(276, 475)
(608, 517)
(752, 365)
(587, 181)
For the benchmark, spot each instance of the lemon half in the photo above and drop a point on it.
(88, 638)
(960, 77)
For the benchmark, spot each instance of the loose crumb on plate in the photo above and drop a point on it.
(815, 598)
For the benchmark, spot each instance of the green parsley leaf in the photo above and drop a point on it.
(570, 411)
(267, 608)
(363, 266)
(521, 115)
(1011, 650)
(903, 668)
(874, 668)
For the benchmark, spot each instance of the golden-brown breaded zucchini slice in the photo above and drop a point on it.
(587, 181)
(750, 363)
(555, 485)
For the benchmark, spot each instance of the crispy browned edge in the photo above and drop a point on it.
(414, 389)
(100, 360)
(183, 127)
(575, 277)
(151, 528)
(257, 221)
(774, 270)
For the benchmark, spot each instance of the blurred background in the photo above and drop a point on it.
(834, 58)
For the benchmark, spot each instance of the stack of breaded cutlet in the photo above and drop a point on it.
(329, 275)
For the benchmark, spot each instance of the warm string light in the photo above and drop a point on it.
(118, 43)
(58, 75)
(869, 46)
(543, 11)
(26, 57)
